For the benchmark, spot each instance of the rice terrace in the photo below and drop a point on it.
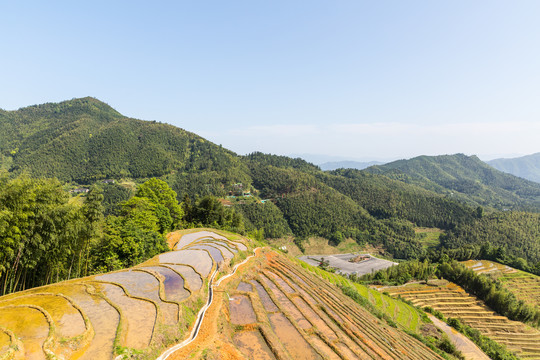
(273, 307)
(452, 301)
(525, 286)
(126, 311)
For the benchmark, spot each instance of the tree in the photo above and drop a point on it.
(161, 194)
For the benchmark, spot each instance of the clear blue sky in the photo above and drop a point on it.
(356, 79)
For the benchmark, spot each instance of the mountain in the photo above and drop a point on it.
(466, 178)
(333, 165)
(527, 167)
(84, 140)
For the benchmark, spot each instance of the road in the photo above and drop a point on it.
(463, 343)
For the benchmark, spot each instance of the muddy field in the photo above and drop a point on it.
(275, 309)
(98, 316)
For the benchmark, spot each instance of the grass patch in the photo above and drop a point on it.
(428, 237)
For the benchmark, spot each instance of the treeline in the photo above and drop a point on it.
(514, 235)
(138, 232)
(399, 274)
(267, 217)
(209, 211)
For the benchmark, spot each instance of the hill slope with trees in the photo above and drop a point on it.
(527, 167)
(465, 178)
(85, 140)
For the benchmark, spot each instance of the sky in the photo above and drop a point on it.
(361, 80)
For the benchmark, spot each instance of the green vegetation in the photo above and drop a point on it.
(43, 237)
(488, 289)
(527, 167)
(381, 305)
(265, 216)
(46, 238)
(399, 274)
(429, 237)
(511, 238)
(466, 178)
(438, 345)
(84, 140)
(209, 211)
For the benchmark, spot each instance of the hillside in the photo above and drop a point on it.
(270, 307)
(466, 178)
(527, 167)
(136, 310)
(452, 301)
(525, 286)
(84, 140)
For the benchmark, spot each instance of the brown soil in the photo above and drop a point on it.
(211, 328)
(297, 316)
(241, 310)
(252, 345)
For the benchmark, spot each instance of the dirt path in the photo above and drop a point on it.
(463, 343)
(202, 312)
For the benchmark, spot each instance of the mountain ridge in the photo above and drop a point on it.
(84, 141)
(527, 167)
(465, 177)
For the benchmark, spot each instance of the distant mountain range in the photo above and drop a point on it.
(527, 167)
(333, 165)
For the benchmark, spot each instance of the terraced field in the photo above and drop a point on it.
(402, 313)
(453, 301)
(141, 309)
(275, 309)
(525, 286)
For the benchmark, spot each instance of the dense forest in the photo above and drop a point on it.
(84, 141)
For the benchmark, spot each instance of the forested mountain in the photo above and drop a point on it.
(527, 167)
(465, 178)
(85, 140)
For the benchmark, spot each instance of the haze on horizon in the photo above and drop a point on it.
(350, 79)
